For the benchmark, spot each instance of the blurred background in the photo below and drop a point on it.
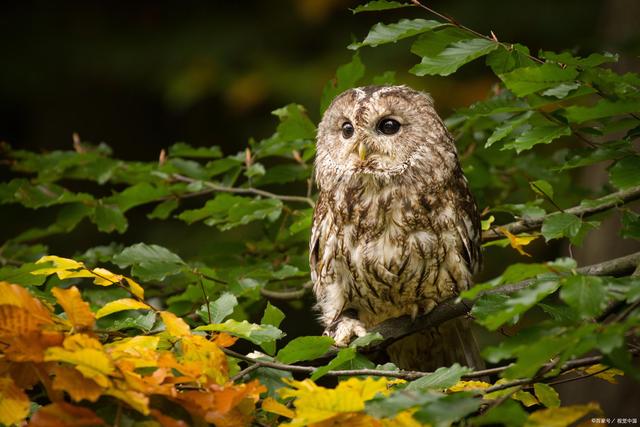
(143, 75)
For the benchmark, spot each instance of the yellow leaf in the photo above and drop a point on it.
(59, 264)
(87, 356)
(403, 419)
(103, 277)
(561, 417)
(73, 382)
(140, 350)
(609, 375)
(469, 385)
(14, 403)
(135, 399)
(271, 405)
(203, 360)
(78, 311)
(526, 398)
(517, 242)
(176, 327)
(121, 305)
(315, 404)
(74, 274)
(135, 288)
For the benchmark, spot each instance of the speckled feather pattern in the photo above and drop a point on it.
(397, 232)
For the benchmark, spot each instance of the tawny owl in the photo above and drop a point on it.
(395, 229)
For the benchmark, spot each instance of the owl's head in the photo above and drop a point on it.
(378, 132)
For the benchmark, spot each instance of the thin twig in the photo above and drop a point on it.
(244, 190)
(610, 201)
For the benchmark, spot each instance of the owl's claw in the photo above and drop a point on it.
(344, 329)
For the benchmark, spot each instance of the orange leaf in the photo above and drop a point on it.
(73, 382)
(167, 421)
(17, 296)
(14, 403)
(30, 346)
(224, 340)
(24, 375)
(78, 311)
(63, 414)
(175, 326)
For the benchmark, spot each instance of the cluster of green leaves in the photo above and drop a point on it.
(547, 117)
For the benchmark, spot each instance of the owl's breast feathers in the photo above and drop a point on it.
(394, 250)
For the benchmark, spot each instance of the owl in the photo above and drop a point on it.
(395, 229)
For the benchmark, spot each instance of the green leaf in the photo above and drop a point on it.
(272, 316)
(453, 57)
(561, 224)
(434, 42)
(22, 275)
(509, 413)
(528, 80)
(347, 76)
(304, 348)
(562, 90)
(630, 225)
(592, 60)
(502, 60)
(507, 127)
(257, 334)
(294, 123)
(164, 209)
(343, 356)
(492, 315)
(182, 149)
(366, 339)
(377, 5)
(109, 218)
(391, 33)
(40, 195)
(401, 400)
(547, 395)
(128, 320)
(586, 294)
(535, 354)
(136, 195)
(626, 172)
(149, 262)
(604, 108)
(227, 211)
(440, 379)
(220, 308)
(537, 135)
(282, 174)
(447, 410)
(542, 187)
(386, 78)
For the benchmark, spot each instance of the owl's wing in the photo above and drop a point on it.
(317, 227)
(468, 224)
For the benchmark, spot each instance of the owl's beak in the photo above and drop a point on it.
(362, 151)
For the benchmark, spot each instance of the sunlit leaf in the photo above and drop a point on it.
(14, 403)
(121, 305)
(78, 311)
(174, 325)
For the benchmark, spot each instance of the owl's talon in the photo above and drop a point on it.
(343, 330)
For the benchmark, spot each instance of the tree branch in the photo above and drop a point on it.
(608, 202)
(248, 190)
(399, 327)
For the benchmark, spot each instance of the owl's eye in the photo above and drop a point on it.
(388, 126)
(347, 130)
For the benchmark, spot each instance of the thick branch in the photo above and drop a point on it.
(399, 327)
(248, 190)
(609, 202)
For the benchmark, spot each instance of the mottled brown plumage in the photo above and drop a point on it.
(395, 229)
